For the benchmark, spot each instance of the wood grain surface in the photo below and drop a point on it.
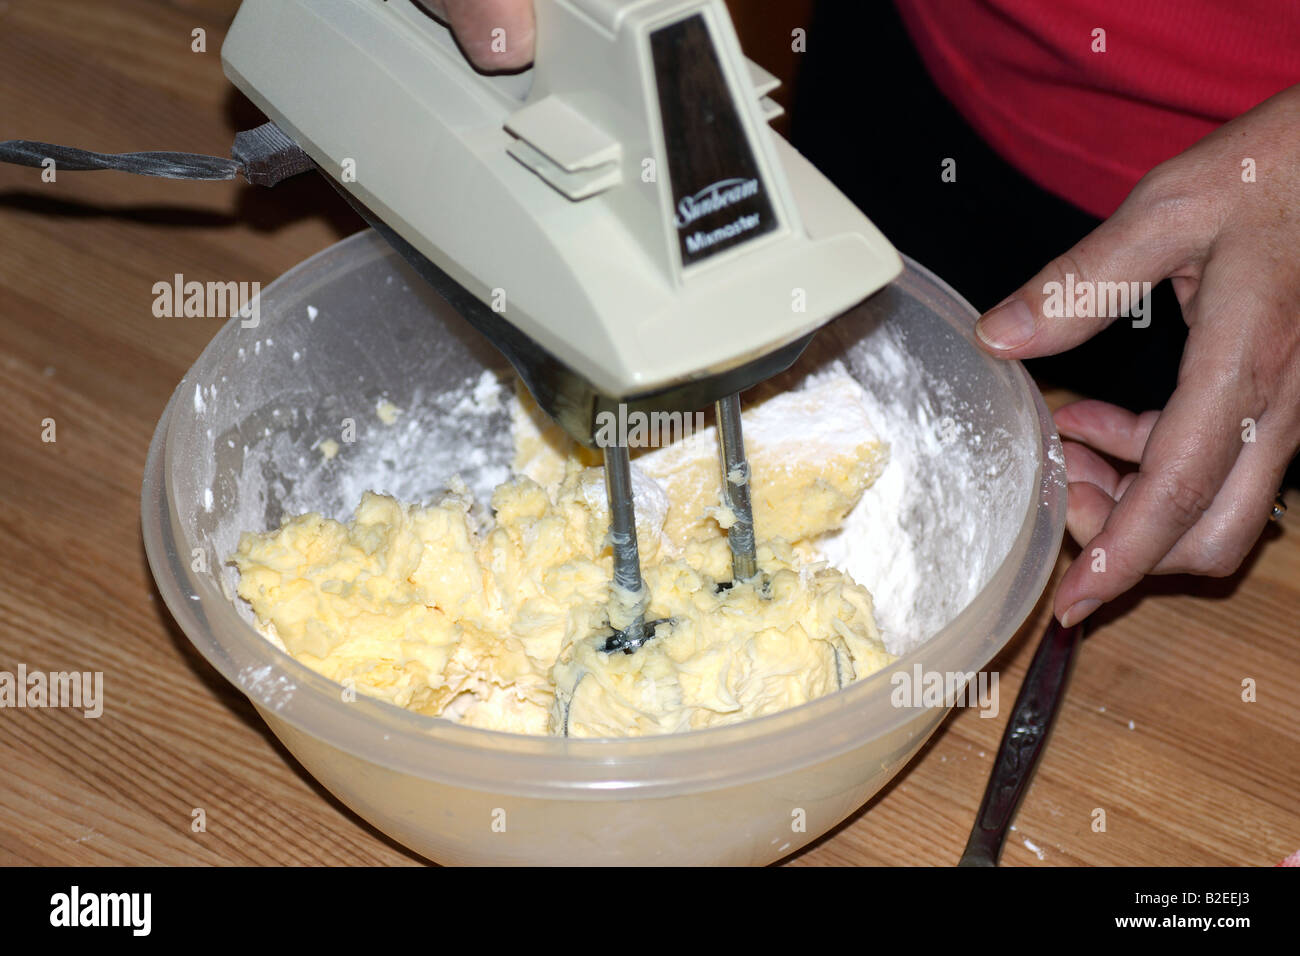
(1154, 730)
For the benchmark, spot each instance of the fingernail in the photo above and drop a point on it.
(1007, 326)
(1078, 611)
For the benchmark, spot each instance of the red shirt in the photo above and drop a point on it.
(1087, 125)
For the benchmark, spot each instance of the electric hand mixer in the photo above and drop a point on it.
(618, 219)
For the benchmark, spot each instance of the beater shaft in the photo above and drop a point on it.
(735, 488)
(627, 557)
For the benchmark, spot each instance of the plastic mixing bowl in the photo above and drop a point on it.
(239, 446)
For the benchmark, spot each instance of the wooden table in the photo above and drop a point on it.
(1154, 730)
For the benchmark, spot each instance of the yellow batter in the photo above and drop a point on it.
(504, 628)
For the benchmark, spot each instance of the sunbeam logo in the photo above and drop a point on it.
(720, 195)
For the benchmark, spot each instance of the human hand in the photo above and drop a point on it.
(1206, 476)
(474, 22)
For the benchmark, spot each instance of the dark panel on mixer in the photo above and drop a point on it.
(719, 198)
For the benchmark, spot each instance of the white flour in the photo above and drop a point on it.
(912, 539)
(877, 547)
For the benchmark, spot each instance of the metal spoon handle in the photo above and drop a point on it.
(1023, 742)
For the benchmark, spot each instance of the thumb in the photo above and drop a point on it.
(496, 35)
(1106, 275)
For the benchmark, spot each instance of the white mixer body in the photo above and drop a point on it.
(623, 203)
